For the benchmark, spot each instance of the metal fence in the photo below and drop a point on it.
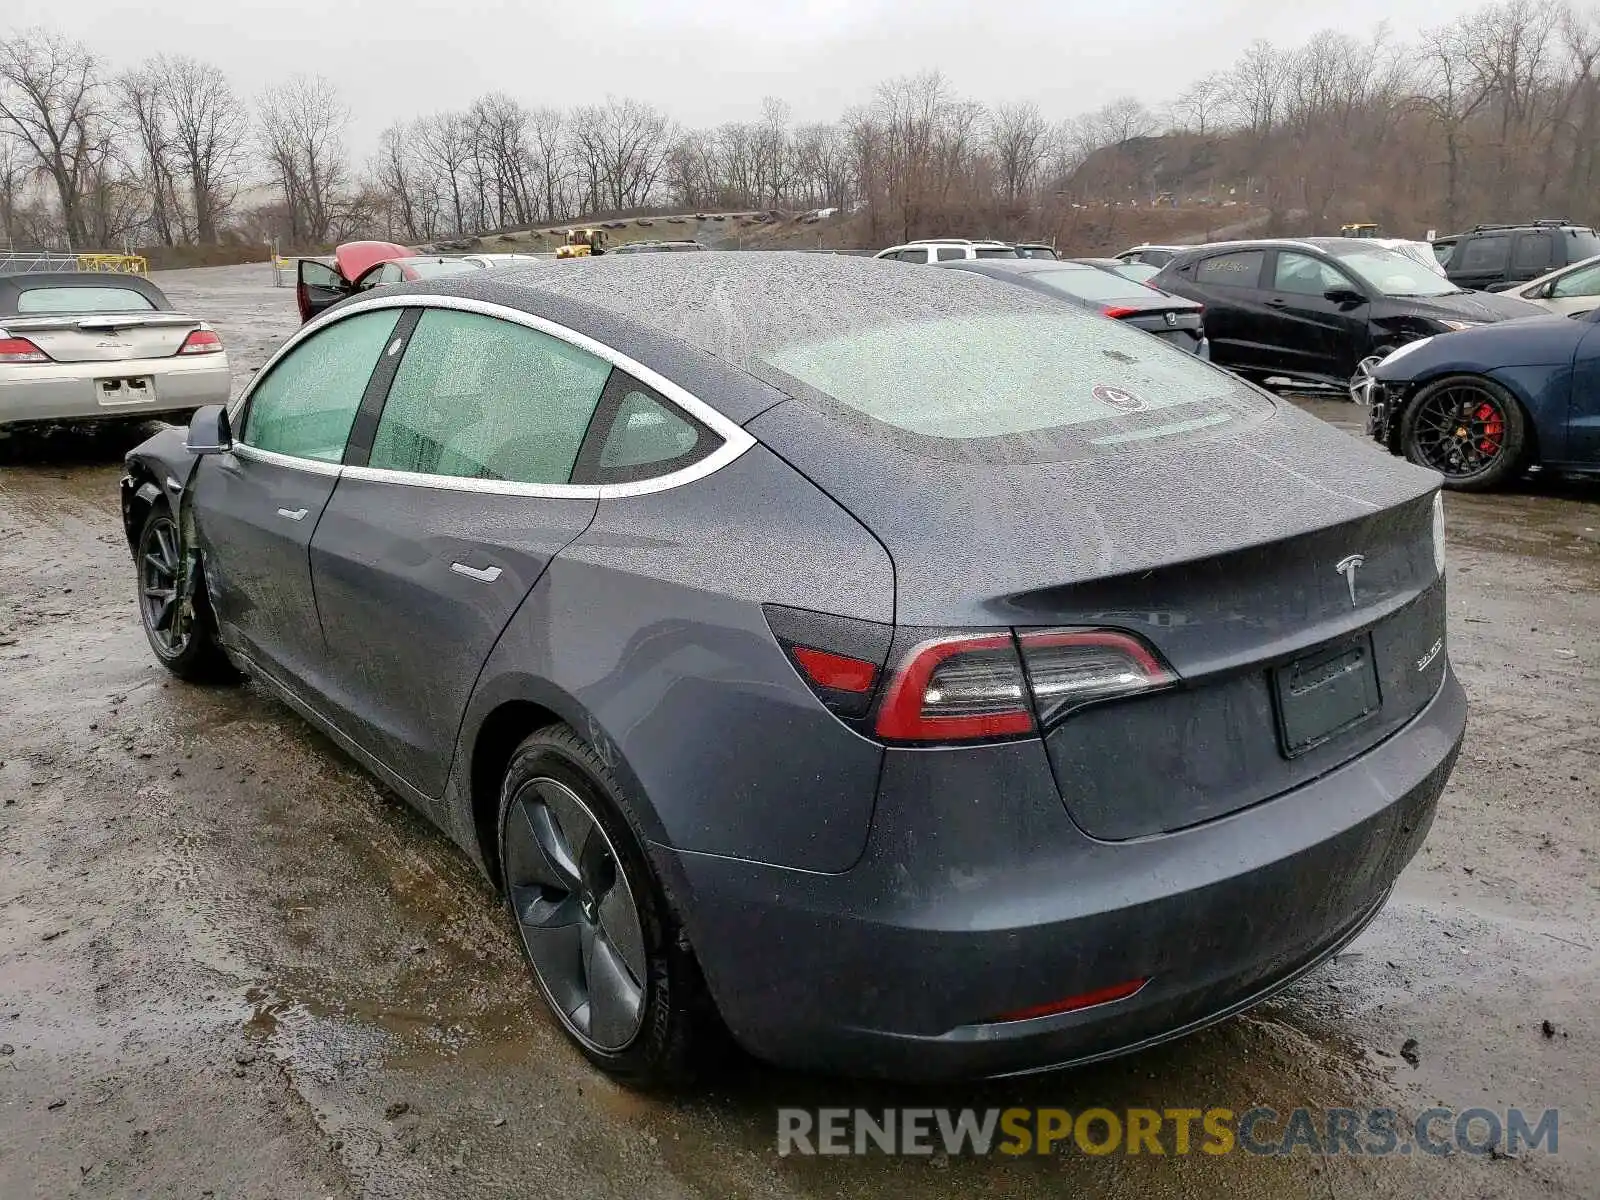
(15, 262)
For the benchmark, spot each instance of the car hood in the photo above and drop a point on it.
(1486, 307)
(1544, 340)
(353, 258)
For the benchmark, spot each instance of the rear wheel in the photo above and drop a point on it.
(183, 636)
(607, 952)
(1361, 382)
(1469, 429)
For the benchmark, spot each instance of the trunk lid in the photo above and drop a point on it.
(113, 337)
(1228, 554)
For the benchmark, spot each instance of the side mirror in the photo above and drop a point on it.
(210, 431)
(1344, 297)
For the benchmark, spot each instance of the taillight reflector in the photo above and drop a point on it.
(1105, 995)
(1118, 311)
(201, 341)
(21, 350)
(837, 671)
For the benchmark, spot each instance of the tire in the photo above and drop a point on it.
(1469, 429)
(186, 644)
(573, 869)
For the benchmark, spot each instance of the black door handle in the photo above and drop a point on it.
(1275, 302)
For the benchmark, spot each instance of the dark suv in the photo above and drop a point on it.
(1491, 258)
(1317, 308)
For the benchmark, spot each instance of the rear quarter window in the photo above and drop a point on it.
(46, 300)
(1240, 270)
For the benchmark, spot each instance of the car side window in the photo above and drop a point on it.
(304, 406)
(1303, 275)
(1489, 253)
(1535, 252)
(477, 397)
(917, 254)
(1241, 269)
(648, 436)
(946, 253)
(1578, 283)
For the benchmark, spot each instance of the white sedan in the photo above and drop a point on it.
(80, 346)
(1571, 290)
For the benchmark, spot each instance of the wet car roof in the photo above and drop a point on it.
(739, 305)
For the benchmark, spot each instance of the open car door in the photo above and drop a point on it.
(318, 286)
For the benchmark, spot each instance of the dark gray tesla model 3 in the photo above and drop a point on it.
(917, 675)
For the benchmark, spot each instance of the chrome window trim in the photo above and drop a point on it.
(735, 441)
(312, 466)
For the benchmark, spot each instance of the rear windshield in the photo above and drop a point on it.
(82, 300)
(1090, 283)
(432, 270)
(994, 252)
(1029, 385)
(1583, 244)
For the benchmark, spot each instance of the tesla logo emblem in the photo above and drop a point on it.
(1348, 568)
(1172, 318)
(1118, 398)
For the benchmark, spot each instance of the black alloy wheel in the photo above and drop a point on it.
(1469, 429)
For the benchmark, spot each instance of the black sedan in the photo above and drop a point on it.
(1171, 318)
(1316, 309)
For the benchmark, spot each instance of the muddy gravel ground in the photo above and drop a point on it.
(232, 965)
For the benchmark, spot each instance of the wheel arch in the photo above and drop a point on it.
(1532, 454)
(499, 719)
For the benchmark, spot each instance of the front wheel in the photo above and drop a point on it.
(182, 634)
(1469, 429)
(607, 952)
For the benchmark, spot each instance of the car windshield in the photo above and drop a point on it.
(1392, 273)
(448, 266)
(1090, 283)
(1028, 384)
(82, 300)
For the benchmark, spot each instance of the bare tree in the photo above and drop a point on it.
(210, 129)
(1018, 138)
(622, 148)
(144, 101)
(301, 128)
(552, 158)
(1199, 108)
(50, 100)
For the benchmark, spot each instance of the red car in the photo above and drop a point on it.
(358, 266)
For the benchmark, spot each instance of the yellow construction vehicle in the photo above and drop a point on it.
(1360, 230)
(582, 243)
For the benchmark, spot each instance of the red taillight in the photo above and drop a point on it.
(975, 686)
(1118, 311)
(1105, 995)
(21, 350)
(955, 689)
(201, 341)
(837, 671)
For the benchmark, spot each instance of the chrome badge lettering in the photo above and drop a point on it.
(1433, 653)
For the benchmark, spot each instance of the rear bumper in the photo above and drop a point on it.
(71, 391)
(962, 910)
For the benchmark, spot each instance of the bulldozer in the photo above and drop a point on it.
(1360, 229)
(583, 243)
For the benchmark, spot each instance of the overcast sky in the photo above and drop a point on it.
(708, 61)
